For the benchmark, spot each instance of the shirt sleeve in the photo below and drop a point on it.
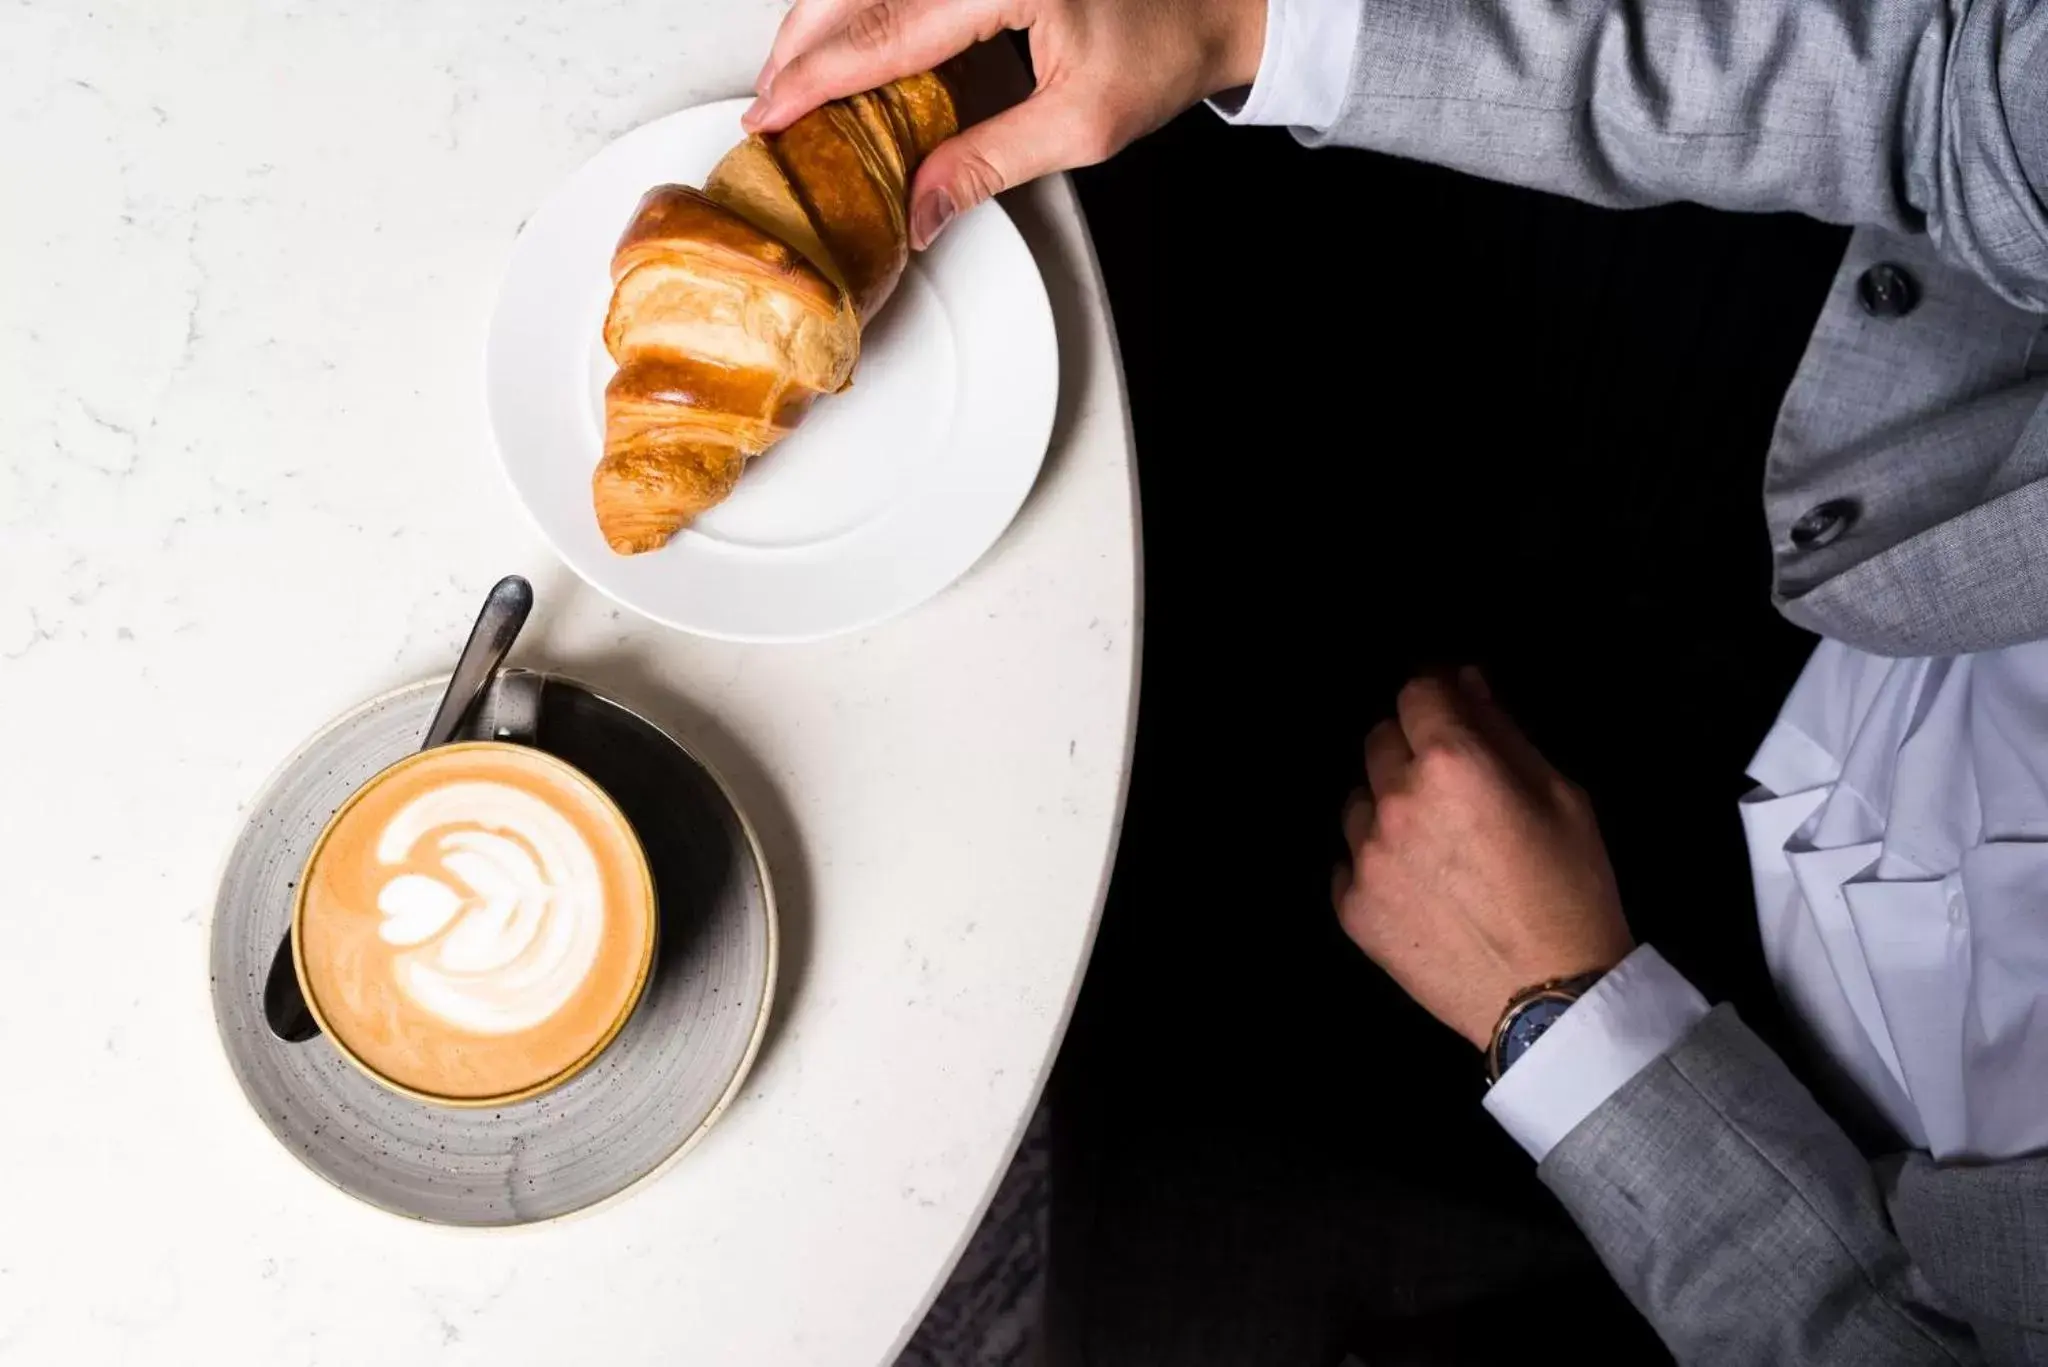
(1630, 1018)
(1305, 68)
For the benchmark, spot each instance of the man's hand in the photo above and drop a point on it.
(1108, 72)
(1476, 869)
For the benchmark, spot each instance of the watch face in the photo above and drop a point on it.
(1528, 1026)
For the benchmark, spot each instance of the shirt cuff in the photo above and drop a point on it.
(1630, 1018)
(1305, 68)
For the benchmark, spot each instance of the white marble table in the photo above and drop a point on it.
(246, 257)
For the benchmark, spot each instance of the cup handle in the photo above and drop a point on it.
(514, 712)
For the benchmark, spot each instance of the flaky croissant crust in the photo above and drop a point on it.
(736, 305)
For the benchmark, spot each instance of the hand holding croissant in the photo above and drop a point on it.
(734, 306)
(1107, 72)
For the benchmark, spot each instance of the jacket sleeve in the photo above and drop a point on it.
(1979, 1231)
(1741, 1221)
(1913, 115)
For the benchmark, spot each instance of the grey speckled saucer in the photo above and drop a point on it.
(667, 1076)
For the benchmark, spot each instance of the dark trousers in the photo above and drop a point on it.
(1390, 418)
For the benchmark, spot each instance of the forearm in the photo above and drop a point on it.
(1906, 114)
(1740, 1220)
(1730, 1209)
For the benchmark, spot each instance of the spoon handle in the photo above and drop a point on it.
(504, 612)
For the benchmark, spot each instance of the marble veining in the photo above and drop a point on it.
(247, 256)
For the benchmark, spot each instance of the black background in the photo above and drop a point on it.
(1389, 418)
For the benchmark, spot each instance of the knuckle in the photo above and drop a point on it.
(976, 179)
(1570, 796)
(1443, 765)
(1393, 819)
(1354, 914)
(1424, 691)
(873, 27)
(794, 81)
(1417, 690)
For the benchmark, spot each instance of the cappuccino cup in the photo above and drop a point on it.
(475, 924)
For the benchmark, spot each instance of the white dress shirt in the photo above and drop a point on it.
(1898, 843)
(1305, 69)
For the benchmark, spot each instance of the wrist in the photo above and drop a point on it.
(1629, 1019)
(1240, 44)
(1529, 1013)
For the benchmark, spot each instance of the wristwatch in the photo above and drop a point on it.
(1529, 1013)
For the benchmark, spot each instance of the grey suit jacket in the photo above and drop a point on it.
(1746, 1227)
(1906, 489)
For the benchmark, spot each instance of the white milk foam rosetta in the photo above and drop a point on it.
(504, 931)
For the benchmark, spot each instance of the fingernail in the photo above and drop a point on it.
(751, 120)
(1475, 682)
(930, 217)
(761, 81)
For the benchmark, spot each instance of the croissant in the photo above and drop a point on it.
(735, 306)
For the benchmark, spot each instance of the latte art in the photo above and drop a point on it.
(475, 923)
(506, 926)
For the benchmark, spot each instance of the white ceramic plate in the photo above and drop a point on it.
(886, 494)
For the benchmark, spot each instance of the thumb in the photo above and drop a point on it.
(1046, 133)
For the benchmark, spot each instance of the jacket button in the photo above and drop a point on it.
(1887, 291)
(1824, 525)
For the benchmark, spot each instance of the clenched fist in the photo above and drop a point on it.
(1108, 72)
(1476, 869)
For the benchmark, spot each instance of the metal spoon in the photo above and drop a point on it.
(504, 612)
